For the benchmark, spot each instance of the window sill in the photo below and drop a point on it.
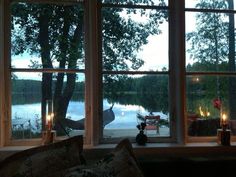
(149, 151)
(165, 150)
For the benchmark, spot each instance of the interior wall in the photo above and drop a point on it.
(1, 73)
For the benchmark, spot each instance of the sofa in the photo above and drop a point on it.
(67, 158)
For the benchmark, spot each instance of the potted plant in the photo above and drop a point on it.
(141, 138)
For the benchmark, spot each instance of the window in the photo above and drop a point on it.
(210, 65)
(135, 68)
(47, 66)
(101, 67)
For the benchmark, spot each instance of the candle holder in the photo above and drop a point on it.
(224, 136)
(48, 136)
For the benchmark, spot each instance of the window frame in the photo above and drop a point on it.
(171, 138)
(191, 139)
(93, 73)
(9, 70)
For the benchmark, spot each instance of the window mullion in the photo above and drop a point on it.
(177, 70)
(5, 75)
(1, 77)
(93, 65)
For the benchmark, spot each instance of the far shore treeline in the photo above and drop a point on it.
(151, 92)
(148, 91)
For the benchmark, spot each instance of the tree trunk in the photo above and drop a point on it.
(232, 80)
(62, 95)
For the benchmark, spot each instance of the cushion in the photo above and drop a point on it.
(44, 161)
(119, 163)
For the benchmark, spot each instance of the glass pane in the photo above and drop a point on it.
(208, 97)
(135, 39)
(74, 113)
(68, 103)
(26, 105)
(210, 4)
(42, 36)
(127, 100)
(210, 41)
(138, 2)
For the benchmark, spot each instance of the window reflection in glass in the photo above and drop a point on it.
(208, 97)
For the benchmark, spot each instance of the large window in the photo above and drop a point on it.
(135, 67)
(101, 67)
(210, 65)
(47, 69)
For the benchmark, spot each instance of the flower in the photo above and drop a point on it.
(141, 126)
(217, 103)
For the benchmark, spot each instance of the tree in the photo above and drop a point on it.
(232, 80)
(213, 42)
(55, 34)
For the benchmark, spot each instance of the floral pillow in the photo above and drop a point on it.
(119, 163)
(44, 161)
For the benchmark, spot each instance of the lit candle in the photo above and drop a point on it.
(224, 121)
(208, 114)
(49, 122)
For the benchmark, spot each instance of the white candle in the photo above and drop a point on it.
(49, 122)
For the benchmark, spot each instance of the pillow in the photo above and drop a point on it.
(44, 161)
(119, 163)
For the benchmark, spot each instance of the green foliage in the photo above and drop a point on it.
(149, 91)
(212, 48)
(209, 42)
(55, 32)
(29, 91)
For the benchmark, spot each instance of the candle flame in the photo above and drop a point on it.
(208, 114)
(224, 117)
(48, 118)
(201, 112)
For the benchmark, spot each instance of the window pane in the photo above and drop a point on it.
(47, 36)
(128, 99)
(139, 2)
(72, 116)
(210, 41)
(68, 103)
(135, 39)
(210, 4)
(208, 97)
(26, 105)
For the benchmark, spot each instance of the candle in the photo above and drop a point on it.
(49, 122)
(224, 121)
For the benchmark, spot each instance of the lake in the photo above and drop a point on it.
(125, 115)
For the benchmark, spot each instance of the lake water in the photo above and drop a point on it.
(125, 115)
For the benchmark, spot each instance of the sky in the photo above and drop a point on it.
(155, 53)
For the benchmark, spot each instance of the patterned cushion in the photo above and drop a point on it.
(119, 163)
(44, 161)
